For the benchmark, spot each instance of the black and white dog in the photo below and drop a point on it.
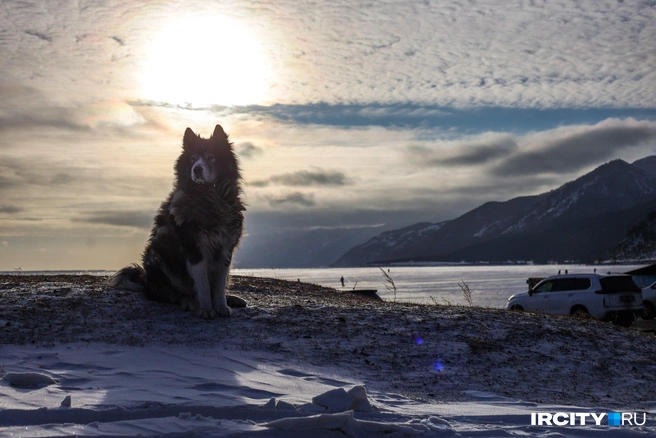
(188, 256)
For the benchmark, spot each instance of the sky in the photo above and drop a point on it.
(342, 113)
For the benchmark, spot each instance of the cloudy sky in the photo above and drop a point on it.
(344, 113)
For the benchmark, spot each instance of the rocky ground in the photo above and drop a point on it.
(428, 352)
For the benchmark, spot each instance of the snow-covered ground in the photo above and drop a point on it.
(81, 359)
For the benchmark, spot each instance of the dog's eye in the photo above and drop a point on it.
(210, 158)
(194, 158)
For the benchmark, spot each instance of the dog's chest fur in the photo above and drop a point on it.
(215, 223)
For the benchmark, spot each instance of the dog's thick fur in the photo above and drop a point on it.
(188, 256)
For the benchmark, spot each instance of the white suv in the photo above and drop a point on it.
(649, 300)
(613, 298)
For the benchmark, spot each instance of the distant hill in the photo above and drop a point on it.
(401, 243)
(582, 220)
(647, 164)
(640, 241)
(301, 249)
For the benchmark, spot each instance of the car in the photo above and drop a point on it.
(649, 300)
(613, 298)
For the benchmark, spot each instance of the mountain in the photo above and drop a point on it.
(581, 220)
(640, 241)
(301, 248)
(401, 243)
(647, 164)
(584, 240)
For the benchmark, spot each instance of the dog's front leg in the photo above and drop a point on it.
(219, 302)
(198, 273)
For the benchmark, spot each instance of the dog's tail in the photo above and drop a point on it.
(131, 278)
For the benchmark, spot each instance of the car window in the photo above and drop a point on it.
(618, 283)
(583, 284)
(544, 287)
(563, 284)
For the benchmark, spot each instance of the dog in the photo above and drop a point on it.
(196, 230)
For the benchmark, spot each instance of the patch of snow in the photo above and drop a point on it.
(335, 400)
(28, 380)
(345, 423)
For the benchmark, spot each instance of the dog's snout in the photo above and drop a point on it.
(198, 171)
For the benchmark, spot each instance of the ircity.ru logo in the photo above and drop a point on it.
(587, 418)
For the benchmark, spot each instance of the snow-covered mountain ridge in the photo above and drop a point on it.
(582, 220)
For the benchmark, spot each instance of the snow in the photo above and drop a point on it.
(28, 380)
(345, 423)
(81, 359)
(127, 390)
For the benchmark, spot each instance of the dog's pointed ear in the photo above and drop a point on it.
(219, 134)
(189, 138)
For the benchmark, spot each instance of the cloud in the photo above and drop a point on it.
(10, 209)
(558, 151)
(39, 35)
(569, 149)
(304, 178)
(296, 198)
(134, 219)
(467, 53)
(258, 183)
(118, 40)
(248, 150)
(467, 153)
(17, 172)
(62, 118)
(6, 182)
(28, 110)
(454, 53)
(483, 153)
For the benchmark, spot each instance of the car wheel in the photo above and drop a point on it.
(517, 308)
(580, 312)
(623, 319)
(650, 310)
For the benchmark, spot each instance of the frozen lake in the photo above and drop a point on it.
(490, 285)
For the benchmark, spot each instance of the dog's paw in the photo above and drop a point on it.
(206, 313)
(224, 311)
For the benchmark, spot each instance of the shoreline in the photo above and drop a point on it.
(102, 272)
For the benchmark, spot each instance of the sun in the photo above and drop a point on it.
(201, 61)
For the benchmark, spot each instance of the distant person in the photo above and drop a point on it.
(342, 281)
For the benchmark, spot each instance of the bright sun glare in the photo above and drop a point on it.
(206, 61)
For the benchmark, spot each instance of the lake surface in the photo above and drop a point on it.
(490, 286)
